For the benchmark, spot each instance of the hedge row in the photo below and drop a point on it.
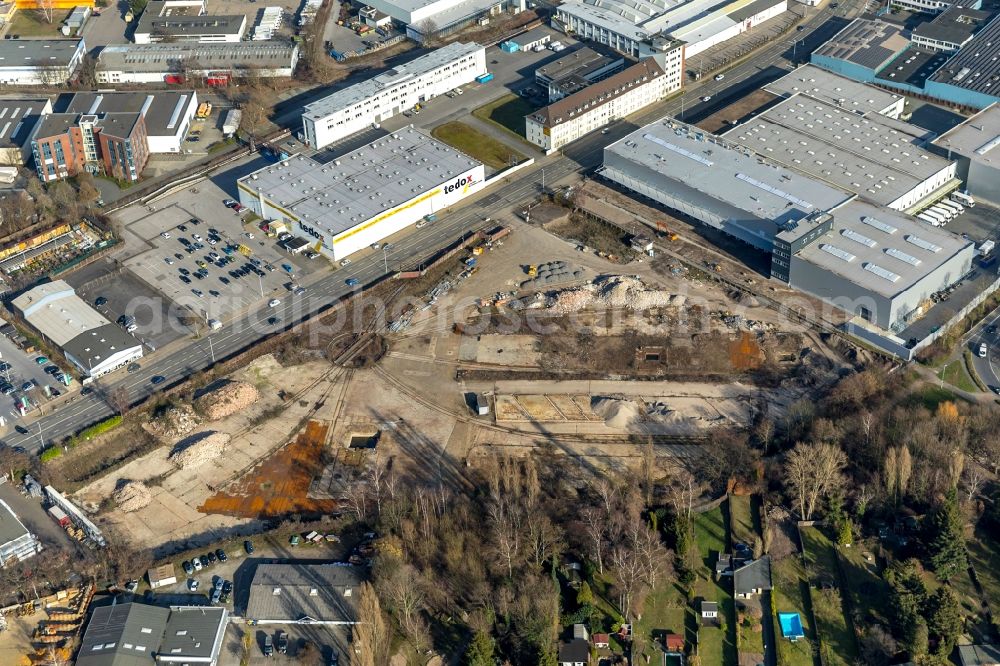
(100, 428)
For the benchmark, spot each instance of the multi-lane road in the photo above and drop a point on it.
(177, 363)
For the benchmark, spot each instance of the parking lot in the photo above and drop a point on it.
(979, 223)
(27, 377)
(216, 266)
(122, 293)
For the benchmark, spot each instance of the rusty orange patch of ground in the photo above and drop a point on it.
(278, 485)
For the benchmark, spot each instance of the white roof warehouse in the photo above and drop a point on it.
(361, 198)
(89, 341)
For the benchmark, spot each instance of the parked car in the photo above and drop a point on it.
(268, 646)
(982, 350)
(228, 203)
(248, 546)
(193, 585)
(188, 567)
(221, 554)
(282, 642)
(41, 360)
(196, 563)
(216, 595)
(100, 301)
(274, 302)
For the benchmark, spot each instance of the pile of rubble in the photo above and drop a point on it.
(552, 273)
(203, 450)
(131, 496)
(739, 322)
(174, 422)
(228, 399)
(616, 291)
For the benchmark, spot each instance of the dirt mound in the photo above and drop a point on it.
(207, 447)
(616, 291)
(173, 422)
(131, 496)
(226, 400)
(616, 412)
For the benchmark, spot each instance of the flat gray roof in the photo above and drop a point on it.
(291, 592)
(194, 631)
(356, 187)
(54, 309)
(112, 628)
(37, 52)
(834, 89)
(166, 57)
(581, 62)
(11, 528)
(533, 35)
(611, 18)
(978, 138)
(955, 25)
(874, 156)
(976, 66)
(17, 118)
(873, 237)
(672, 152)
(913, 66)
(158, 18)
(866, 42)
(361, 91)
(162, 111)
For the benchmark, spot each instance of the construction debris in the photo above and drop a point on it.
(174, 422)
(207, 447)
(228, 399)
(616, 291)
(132, 496)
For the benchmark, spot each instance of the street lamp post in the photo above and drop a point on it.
(385, 258)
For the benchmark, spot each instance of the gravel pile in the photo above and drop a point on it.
(227, 400)
(616, 412)
(617, 291)
(132, 496)
(206, 449)
(553, 272)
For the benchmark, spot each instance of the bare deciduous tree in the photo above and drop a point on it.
(594, 526)
(973, 479)
(370, 635)
(813, 471)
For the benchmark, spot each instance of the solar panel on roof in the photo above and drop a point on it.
(837, 252)
(902, 256)
(879, 224)
(858, 238)
(921, 243)
(881, 272)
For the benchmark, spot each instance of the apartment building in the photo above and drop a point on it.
(597, 105)
(361, 105)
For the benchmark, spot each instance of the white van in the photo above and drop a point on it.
(214, 324)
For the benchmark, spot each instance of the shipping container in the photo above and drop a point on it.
(484, 78)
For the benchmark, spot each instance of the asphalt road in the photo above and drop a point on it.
(988, 332)
(239, 333)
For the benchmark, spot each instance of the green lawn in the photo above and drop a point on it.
(741, 519)
(790, 595)
(984, 552)
(836, 634)
(474, 143)
(867, 592)
(956, 374)
(930, 396)
(716, 646)
(666, 611)
(29, 23)
(508, 112)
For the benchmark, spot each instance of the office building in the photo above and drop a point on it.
(18, 120)
(975, 145)
(66, 144)
(178, 63)
(841, 91)
(358, 199)
(873, 262)
(361, 105)
(950, 30)
(17, 543)
(701, 24)
(167, 115)
(27, 62)
(163, 21)
(622, 94)
(575, 70)
(88, 340)
(876, 157)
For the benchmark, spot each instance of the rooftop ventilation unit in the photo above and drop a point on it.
(881, 272)
(879, 224)
(858, 238)
(837, 252)
(902, 256)
(921, 243)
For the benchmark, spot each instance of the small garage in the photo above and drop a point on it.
(539, 36)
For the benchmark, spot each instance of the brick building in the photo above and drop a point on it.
(111, 143)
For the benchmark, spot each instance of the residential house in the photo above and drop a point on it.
(724, 565)
(752, 578)
(979, 655)
(674, 643)
(601, 641)
(575, 652)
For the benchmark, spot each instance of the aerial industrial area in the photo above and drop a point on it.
(465, 332)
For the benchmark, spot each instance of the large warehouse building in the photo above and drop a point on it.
(357, 107)
(625, 25)
(88, 340)
(178, 62)
(876, 157)
(835, 89)
(878, 264)
(975, 145)
(433, 17)
(366, 195)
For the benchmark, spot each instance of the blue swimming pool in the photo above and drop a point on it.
(791, 625)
